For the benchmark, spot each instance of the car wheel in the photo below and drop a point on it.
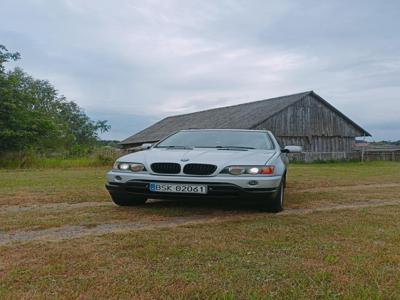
(123, 199)
(276, 203)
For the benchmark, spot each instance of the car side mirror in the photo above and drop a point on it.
(146, 146)
(292, 149)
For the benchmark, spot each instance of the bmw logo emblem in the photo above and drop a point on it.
(184, 159)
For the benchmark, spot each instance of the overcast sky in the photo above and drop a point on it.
(134, 62)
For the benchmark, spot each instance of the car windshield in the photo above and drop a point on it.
(218, 139)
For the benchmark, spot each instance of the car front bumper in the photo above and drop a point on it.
(226, 187)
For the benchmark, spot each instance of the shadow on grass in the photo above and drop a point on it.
(186, 207)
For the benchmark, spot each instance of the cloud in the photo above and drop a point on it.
(143, 60)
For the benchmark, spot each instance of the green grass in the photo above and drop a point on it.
(19, 187)
(243, 254)
(347, 254)
(46, 163)
(308, 185)
(87, 184)
(344, 173)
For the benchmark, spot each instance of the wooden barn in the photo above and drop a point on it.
(303, 119)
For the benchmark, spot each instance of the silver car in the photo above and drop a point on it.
(204, 163)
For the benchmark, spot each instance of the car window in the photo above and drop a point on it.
(218, 139)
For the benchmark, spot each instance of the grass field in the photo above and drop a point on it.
(18, 161)
(60, 237)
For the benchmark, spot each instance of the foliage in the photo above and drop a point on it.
(383, 143)
(110, 143)
(34, 117)
(30, 159)
(6, 56)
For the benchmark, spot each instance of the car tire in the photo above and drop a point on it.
(275, 204)
(123, 199)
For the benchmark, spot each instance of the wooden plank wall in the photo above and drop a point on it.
(313, 125)
(309, 117)
(320, 156)
(345, 156)
(319, 143)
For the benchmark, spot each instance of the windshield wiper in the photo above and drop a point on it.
(233, 147)
(176, 147)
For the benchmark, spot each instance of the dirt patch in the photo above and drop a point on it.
(69, 232)
(50, 206)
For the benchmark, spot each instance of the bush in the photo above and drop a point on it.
(29, 159)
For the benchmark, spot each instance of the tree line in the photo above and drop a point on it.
(35, 117)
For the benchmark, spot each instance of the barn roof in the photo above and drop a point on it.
(241, 116)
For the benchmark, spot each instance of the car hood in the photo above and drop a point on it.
(221, 158)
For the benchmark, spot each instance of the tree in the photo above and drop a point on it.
(79, 129)
(6, 56)
(34, 116)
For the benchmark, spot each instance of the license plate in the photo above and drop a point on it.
(178, 188)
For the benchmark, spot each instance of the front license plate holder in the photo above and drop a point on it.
(182, 188)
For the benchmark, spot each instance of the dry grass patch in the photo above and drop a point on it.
(42, 218)
(346, 254)
(305, 176)
(24, 187)
(243, 254)
(309, 186)
(84, 216)
(316, 198)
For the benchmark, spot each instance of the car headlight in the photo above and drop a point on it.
(249, 170)
(137, 167)
(236, 170)
(126, 166)
(115, 165)
(123, 166)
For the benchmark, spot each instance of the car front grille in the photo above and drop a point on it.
(166, 168)
(199, 169)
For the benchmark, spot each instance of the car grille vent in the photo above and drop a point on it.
(166, 168)
(199, 169)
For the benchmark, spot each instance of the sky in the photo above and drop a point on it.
(135, 62)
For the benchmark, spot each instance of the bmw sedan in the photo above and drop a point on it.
(204, 163)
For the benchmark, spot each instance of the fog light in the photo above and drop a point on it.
(118, 178)
(253, 182)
